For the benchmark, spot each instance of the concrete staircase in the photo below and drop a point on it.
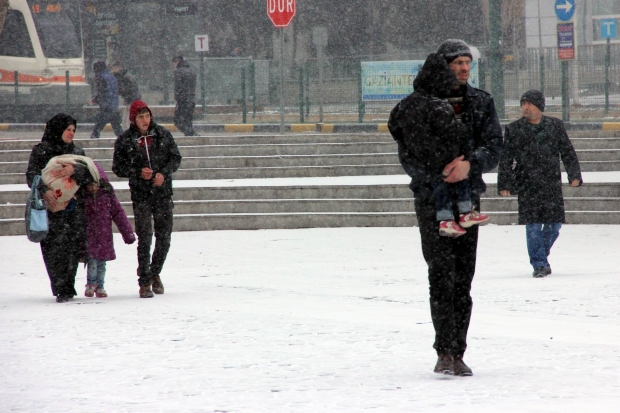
(304, 205)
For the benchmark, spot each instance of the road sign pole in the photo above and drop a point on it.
(282, 81)
(607, 65)
(565, 92)
(203, 86)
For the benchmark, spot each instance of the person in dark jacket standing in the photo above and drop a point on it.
(127, 89)
(147, 154)
(101, 207)
(451, 261)
(106, 96)
(530, 169)
(185, 95)
(63, 247)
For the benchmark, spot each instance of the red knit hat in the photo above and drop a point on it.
(135, 108)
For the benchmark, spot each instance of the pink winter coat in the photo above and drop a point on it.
(101, 209)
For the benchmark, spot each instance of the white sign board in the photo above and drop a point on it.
(201, 41)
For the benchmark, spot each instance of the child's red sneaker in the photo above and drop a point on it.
(472, 218)
(450, 229)
(101, 293)
(90, 290)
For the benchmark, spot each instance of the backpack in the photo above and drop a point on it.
(36, 213)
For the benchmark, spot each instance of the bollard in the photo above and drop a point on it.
(301, 95)
(68, 95)
(244, 107)
(16, 109)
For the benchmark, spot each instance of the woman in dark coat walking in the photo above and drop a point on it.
(63, 247)
(530, 168)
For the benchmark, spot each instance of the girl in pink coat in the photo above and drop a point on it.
(102, 207)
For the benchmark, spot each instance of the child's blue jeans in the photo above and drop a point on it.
(95, 273)
(443, 198)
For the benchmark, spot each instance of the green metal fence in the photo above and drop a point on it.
(247, 90)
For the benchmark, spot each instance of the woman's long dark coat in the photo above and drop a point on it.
(530, 168)
(64, 245)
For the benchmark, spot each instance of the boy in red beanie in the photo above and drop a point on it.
(147, 154)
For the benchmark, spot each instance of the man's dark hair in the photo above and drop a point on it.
(144, 110)
(177, 58)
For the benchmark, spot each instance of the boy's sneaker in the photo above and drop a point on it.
(450, 229)
(540, 272)
(472, 218)
(90, 290)
(101, 293)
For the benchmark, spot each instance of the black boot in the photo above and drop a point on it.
(445, 364)
(460, 368)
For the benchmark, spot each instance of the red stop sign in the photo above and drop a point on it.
(281, 12)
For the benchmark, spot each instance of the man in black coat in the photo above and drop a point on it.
(185, 95)
(451, 261)
(530, 169)
(127, 89)
(147, 154)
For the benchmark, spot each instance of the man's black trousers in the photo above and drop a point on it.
(451, 266)
(184, 117)
(105, 116)
(160, 210)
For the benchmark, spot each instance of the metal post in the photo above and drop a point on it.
(68, 95)
(166, 64)
(361, 106)
(542, 70)
(301, 95)
(203, 85)
(607, 66)
(307, 91)
(565, 92)
(496, 60)
(253, 87)
(244, 106)
(16, 109)
(482, 74)
(321, 74)
(542, 53)
(282, 81)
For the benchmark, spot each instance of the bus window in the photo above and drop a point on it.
(14, 39)
(58, 27)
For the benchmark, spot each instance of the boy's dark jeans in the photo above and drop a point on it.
(451, 266)
(160, 210)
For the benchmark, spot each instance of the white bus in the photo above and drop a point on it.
(41, 40)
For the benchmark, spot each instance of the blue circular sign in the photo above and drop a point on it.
(564, 9)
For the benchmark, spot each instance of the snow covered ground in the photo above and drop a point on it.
(314, 320)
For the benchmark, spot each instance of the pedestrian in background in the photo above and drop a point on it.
(451, 261)
(106, 96)
(101, 208)
(530, 169)
(185, 95)
(127, 89)
(147, 154)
